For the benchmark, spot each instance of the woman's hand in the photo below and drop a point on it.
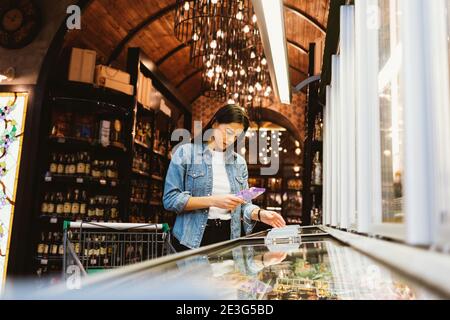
(272, 218)
(227, 201)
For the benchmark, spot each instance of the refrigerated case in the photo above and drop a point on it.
(312, 266)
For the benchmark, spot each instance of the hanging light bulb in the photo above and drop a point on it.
(239, 15)
(230, 73)
(214, 1)
(239, 82)
(258, 69)
(220, 34)
(254, 18)
(269, 89)
(195, 37)
(213, 44)
(208, 64)
(230, 52)
(242, 72)
(263, 61)
(186, 6)
(210, 73)
(231, 101)
(253, 55)
(246, 29)
(224, 86)
(219, 69)
(298, 151)
(258, 86)
(251, 90)
(249, 98)
(236, 95)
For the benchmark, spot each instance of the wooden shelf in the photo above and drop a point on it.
(155, 177)
(84, 143)
(81, 180)
(112, 100)
(138, 201)
(141, 173)
(159, 153)
(141, 144)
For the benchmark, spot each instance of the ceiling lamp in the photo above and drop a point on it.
(270, 16)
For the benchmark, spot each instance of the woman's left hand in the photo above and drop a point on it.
(272, 218)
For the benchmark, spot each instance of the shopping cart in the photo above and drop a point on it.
(93, 247)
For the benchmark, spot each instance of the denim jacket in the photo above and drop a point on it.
(190, 175)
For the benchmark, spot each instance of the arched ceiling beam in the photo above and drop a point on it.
(188, 77)
(313, 21)
(133, 32)
(297, 46)
(172, 52)
(298, 70)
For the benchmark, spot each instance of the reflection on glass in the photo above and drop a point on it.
(391, 112)
(316, 270)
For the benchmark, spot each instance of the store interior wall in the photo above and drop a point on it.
(28, 60)
(204, 108)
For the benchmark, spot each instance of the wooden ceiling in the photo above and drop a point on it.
(112, 26)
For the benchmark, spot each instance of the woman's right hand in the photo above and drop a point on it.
(227, 201)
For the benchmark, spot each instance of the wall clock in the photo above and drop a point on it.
(20, 23)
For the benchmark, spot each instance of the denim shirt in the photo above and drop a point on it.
(190, 175)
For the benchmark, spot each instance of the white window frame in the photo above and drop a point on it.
(437, 59)
(335, 149)
(367, 113)
(347, 119)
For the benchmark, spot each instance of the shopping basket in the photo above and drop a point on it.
(92, 247)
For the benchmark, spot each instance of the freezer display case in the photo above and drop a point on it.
(312, 266)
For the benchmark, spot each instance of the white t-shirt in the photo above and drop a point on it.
(221, 185)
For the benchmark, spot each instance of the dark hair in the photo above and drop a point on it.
(230, 113)
(227, 114)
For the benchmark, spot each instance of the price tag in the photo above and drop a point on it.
(102, 181)
(80, 180)
(48, 179)
(54, 220)
(93, 261)
(44, 262)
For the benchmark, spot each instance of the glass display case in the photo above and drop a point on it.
(317, 267)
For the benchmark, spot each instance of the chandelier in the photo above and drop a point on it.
(225, 43)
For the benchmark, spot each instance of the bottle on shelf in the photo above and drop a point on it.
(83, 205)
(91, 210)
(318, 128)
(51, 203)
(81, 163)
(41, 246)
(54, 164)
(44, 205)
(61, 164)
(317, 170)
(67, 204)
(59, 204)
(75, 209)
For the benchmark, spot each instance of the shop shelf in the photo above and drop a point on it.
(85, 95)
(141, 173)
(141, 144)
(82, 180)
(155, 177)
(84, 143)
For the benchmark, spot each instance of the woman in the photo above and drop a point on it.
(202, 182)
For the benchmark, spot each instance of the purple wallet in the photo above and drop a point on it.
(250, 194)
